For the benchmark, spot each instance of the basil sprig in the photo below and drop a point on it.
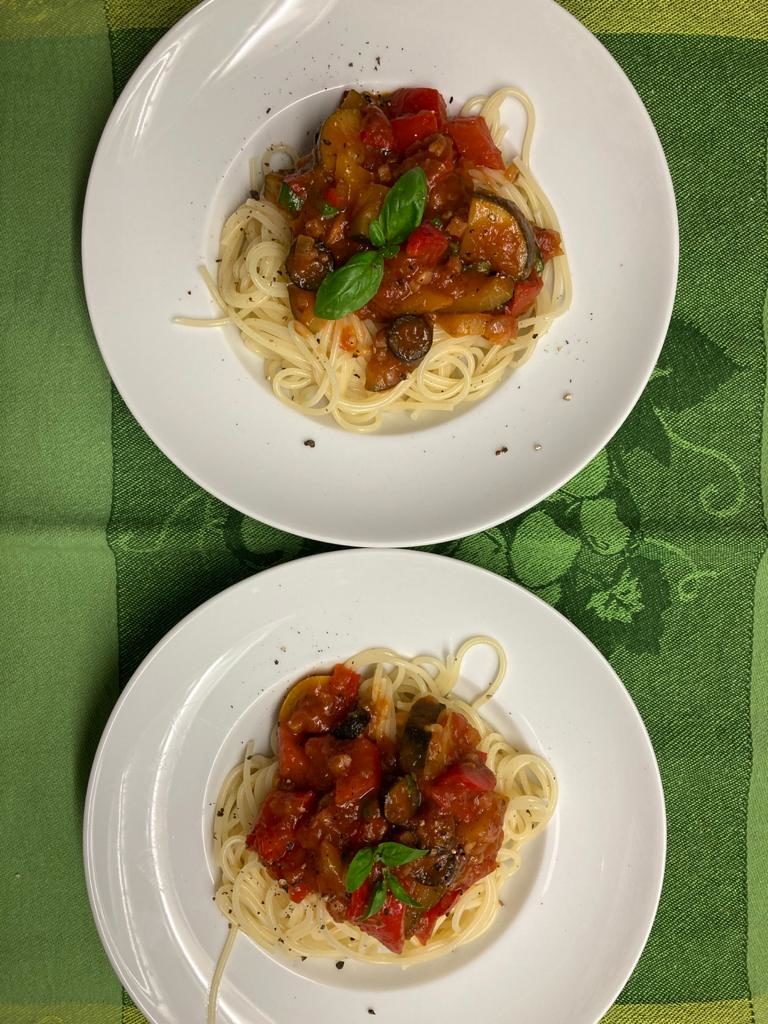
(402, 211)
(354, 284)
(351, 286)
(389, 855)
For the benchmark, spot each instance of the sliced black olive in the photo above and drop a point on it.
(409, 338)
(416, 735)
(499, 233)
(308, 263)
(354, 725)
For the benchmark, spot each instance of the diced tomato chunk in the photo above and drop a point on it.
(525, 295)
(299, 891)
(274, 830)
(292, 761)
(472, 138)
(476, 777)
(345, 681)
(412, 128)
(427, 245)
(376, 130)
(388, 926)
(363, 775)
(413, 101)
(462, 789)
(549, 242)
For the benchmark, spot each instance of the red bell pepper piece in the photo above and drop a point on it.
(427, 245)
(376, 130)
(364, 773)
(412, 128)
(475, 777)
(413, 101)
(524, 295)
(472, 138)
(388, 926)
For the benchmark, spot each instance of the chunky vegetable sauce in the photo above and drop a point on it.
(389, 818)
(388, 222)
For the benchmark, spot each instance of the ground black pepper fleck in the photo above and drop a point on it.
(309, 443)
(339, 964)
(503, 450)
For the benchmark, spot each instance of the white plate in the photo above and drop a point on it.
(575, 917)
(173, 162)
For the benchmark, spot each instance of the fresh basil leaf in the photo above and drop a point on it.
(326, 211)
(377, 900)
(359, 868)
(390, 250)
(351, 286)
(399, 892)
(376, 233)
(395, 854)
(289, 199)
(403, 207)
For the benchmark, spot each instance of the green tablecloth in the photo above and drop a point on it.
(656, 550)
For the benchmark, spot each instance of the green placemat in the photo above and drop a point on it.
(656, 550)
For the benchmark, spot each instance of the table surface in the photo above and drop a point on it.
(657, 550)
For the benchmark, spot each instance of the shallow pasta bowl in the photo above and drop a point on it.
(233, 78)
(574, 917)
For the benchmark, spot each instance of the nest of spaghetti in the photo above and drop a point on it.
(401, 264)
(386, 820)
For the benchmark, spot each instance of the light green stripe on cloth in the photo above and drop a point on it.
(739, 18)
(57, 578)
(36, 19)
(735, 1011)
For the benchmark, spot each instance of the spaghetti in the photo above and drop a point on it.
(321, 369)
(254, 901)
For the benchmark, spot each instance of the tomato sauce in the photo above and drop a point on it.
(463, 260)
(343, 788)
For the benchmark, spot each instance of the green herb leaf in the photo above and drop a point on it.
(289, 199)
(399, 892)
(351, 286)
(395, 854)
(538, 264)
(389, 251)
(326, 211)
(403, 208)
(377, 900)
(359, 868)
(436, 222)
(376, 233)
